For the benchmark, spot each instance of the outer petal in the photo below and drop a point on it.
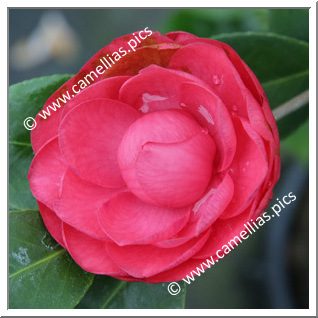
(89, 253)
(46, 173)
(222, 231)
(52, 222)
(247, 76)
(152, 50)
(211, 206)
(89, 137)
(107, 88)
(180, 36)
(127, 220)
(257, 118)
(205, 212)
(147, 260)
(80, 202)
(179, 272)
(211, 64)
(248, 170)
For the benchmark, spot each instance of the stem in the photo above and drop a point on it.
(291, 106)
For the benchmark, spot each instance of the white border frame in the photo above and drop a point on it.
(312, 161)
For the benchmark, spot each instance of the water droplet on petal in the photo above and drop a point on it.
(200, 202)
(205, 113)
(216, 80)
(183, 105)
(244, 169)
(247, 163)
(144, 108)
(146, 98)
(235, 108)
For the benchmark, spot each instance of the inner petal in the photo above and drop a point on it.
(168, 163)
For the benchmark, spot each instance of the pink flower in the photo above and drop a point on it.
(152, 168)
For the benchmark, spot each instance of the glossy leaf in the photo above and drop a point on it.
(107, 292)
(283, 75)
(270, 56)
(25, 100)
(206, 22)
(41, 272)
(290, 22)
(283, 89)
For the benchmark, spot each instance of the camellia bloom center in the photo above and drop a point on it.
(166, 158)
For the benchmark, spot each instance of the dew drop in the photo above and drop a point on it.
(235, 108)
(202, 201)
(147, 98)
(205, 113)
(183, 105)
(216, 80)
(144, 108)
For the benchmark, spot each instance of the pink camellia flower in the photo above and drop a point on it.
(149, 170)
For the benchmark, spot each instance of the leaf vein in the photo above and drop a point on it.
(37, 263)
(113, 294)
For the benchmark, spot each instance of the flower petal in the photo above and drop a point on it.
(146, 260)
(222, 231)
(46, 173)
(166, 158)
(107, 88)
(205, 212)
(79, 203)
(89, 253)
(180, 36)
(248, 170)
(213, 204)
(212, 65)
(155, 88)
(150, 51)
(211, 113)
(52, 222)
(89, 137)
(127, 220)
(174, 175)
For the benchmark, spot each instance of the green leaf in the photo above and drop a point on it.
(282, 74)
(41, 272)
(206, 22)
(298, 144)
(282, 90)
(107, 292)
(25, 99)
(270, 56)
(20, 157)
(290, 22)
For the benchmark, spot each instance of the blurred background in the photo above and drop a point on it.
(270, 269)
